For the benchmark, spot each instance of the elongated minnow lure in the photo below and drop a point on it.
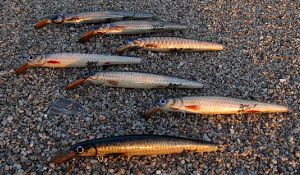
(170, 44)
(94, 17)
(215, 105)
(134, 80)
(75, 60)
(131, 27)
(135, 145)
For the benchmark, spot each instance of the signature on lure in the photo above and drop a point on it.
(135, 145)
(94, 17)
(215, 105)
(75, 60)
(134, 80)
(170, 44)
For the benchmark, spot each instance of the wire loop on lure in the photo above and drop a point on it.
(182, 114)
(100, 158)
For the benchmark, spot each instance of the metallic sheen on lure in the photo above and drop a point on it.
(131, 27)
(215, 105)
(94, 17)
(75, 60)
(135, 145)
(170, 44)
(134, 80)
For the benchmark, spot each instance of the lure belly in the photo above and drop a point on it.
(135, 80)
(136, 145)
(75, 60)
(170, 44)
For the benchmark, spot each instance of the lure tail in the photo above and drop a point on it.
(42, 24)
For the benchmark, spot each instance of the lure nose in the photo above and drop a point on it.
(62, 156)
(42, 24)
(87, 36)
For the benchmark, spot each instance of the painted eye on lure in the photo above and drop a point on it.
(80, 149)
(57, 19)
(30, 58)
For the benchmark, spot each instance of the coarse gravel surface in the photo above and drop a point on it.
(260, 61)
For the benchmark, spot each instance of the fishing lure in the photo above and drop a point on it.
(75, 60)
(94, 17)
(215, 105)
(170, 44)
(131, 27)
(135, 145)
(134, 80)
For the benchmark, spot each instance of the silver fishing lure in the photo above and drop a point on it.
(215, 105)
(75, 60)
(131, 27)
(135, 80)
(94, 17)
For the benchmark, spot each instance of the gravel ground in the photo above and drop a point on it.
(260, 61)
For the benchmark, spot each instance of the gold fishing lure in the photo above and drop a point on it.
(170, 44)
(215, 105)
(134, 80)
(75, 60)
(131, 27)
(135, 145)
(94, 17)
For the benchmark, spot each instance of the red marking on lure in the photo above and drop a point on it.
(193, 107)
(53, 62)
(110, 19)
(101, 32)
(253, 111)
(73, 19)
(160, 86)
(174, 153)
(113, 82)
(107, 63)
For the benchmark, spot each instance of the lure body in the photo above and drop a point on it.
(131, 27)
(94, 17)
(136, 80)
(136, 145)
(171, 44)
(76, 60)
(218, 105)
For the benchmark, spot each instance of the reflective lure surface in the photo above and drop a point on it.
(94, 17)
(136, 145)
(215, 105)
(170, 44)
(75, 60)
(135, 80)
(131, 27)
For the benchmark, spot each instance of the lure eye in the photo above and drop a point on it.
(30, 58)
(79, 149)
(129, 41)
(57, 19)
(163, 101)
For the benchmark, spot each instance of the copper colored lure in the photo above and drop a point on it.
(136, 145)
(215, 105)
(170, 44)
(94, 17)
(75, 60)
(131, 27)
(135, 80)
